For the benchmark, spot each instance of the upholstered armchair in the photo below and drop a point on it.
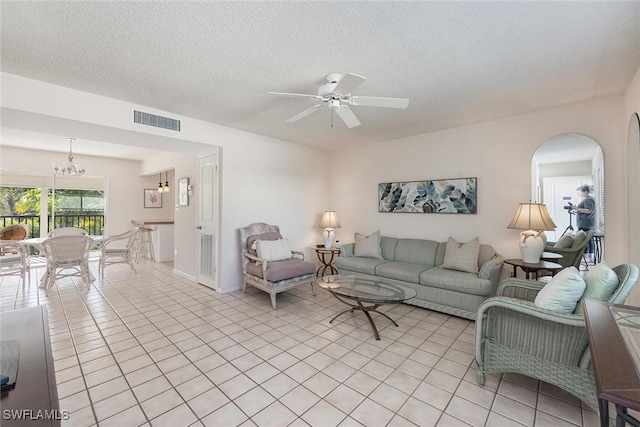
(572, 255)
(514, 335)
(271, 266)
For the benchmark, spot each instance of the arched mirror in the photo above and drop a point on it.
(559, 168)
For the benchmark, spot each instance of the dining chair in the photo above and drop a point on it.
(67, 231)
(13, 232)
(14, 260)
(118, 249)
(67, 256)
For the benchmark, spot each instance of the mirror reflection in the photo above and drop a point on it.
(567, 175)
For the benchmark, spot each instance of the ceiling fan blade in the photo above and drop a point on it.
(296, 95)
(348, 83)
(347, 116)
(376, 101)
(305, 113)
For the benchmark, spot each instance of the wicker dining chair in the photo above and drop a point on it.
(14, 260)
(67, 231)
(118, 249)
(513, 335)
(67, 256)
(13, 232)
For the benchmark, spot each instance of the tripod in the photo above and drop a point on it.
(570, 227)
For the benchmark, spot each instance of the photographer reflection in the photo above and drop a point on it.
(585, 215)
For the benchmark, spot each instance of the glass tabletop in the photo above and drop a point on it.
(365, 289)
(628, 322)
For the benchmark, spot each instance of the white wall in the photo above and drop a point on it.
(261, 179)
(499, 154)
(632, 200)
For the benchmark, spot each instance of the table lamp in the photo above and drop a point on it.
(534, 218)
(329, 221)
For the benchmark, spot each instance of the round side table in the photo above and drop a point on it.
(529, 268)
(326, 258)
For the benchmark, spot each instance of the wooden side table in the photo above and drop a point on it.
(529, 268)
(326, 258)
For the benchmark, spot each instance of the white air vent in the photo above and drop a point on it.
(148, 119)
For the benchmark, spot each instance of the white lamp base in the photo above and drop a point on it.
(329, 236)
(531, 246)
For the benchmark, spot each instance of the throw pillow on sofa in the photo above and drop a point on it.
(562, 293)
(565, 242)
(461, 257)
(368, 246)
(579, 239)
(274, 250)
(601, 282)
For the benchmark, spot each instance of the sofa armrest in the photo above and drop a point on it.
(491, 270)
(347, 250)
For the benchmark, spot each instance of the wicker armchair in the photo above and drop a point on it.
(13, 232)
(67, 231)
(118, 249)
(513, 335)
(272, 276)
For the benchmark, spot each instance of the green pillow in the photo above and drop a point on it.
(565, 242)
(579, 239)
(562, 293)
(601, 282)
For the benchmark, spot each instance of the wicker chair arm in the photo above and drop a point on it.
(519, 288)
(525, 328)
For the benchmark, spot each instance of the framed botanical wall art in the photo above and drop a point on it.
(152, 198)
(457, 196)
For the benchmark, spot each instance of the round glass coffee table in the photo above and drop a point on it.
(356, 292)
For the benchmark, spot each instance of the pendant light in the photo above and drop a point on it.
(160, 189)
(166, 182)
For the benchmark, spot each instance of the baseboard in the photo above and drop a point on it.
(184, 275)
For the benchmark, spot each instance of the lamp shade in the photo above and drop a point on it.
(330, 220)
(532, 216)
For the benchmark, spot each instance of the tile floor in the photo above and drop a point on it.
(155, 349)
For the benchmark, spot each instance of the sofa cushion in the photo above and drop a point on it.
(563, 291)
(601, 283)
(416, 251)
(281, 270)
(368, 246)
(462, 257)
(579, 239)
(565, 242)
(407, 272)
(458, 281)
(274, 235)
(273, 250)
(358, 264)
(388, 247)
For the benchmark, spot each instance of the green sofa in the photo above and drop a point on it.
(415, 262)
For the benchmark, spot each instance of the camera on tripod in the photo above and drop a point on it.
(569, 206)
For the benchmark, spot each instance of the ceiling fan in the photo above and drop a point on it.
(335, 94)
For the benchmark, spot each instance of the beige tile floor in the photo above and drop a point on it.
(155, 349)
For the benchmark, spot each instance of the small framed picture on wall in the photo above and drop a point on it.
(152, 198)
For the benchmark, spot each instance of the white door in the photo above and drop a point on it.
(208, 221)
(558, 191)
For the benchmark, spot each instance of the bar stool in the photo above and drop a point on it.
(144, 244)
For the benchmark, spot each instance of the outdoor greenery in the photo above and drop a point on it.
(73, 208)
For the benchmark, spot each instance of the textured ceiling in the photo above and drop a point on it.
(458, 62)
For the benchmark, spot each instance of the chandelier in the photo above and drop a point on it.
(70, 169)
